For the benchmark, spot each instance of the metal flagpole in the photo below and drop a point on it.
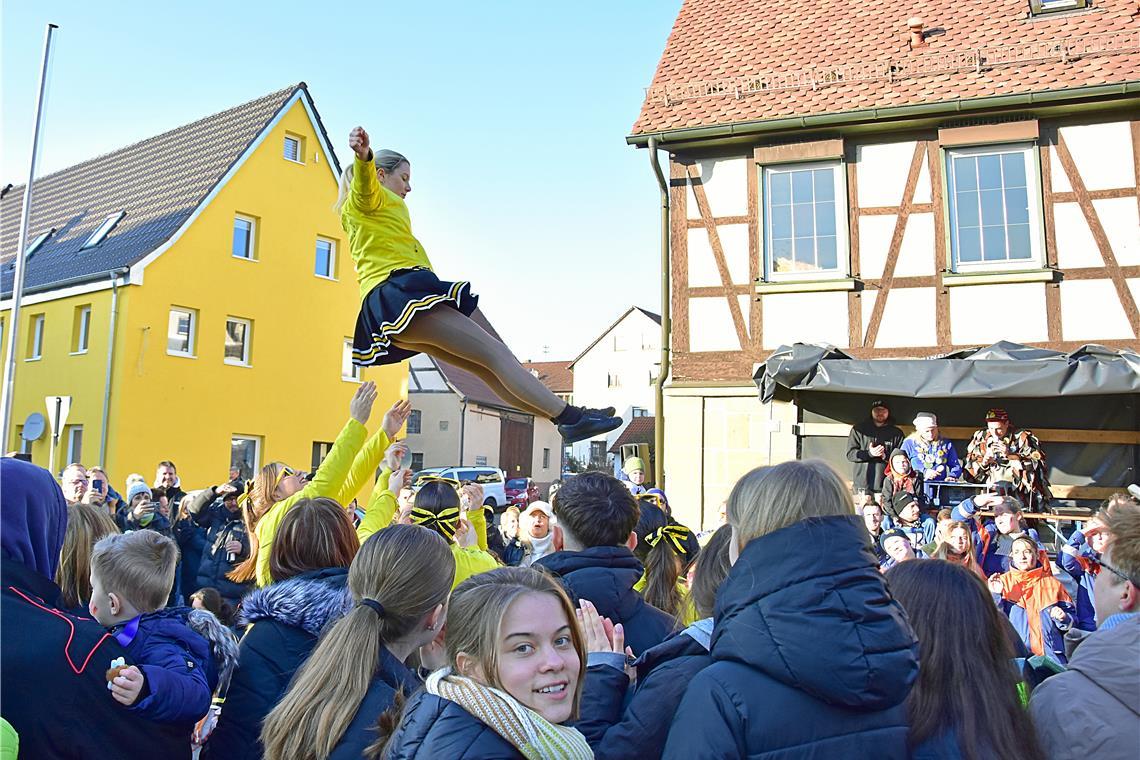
(18, 278)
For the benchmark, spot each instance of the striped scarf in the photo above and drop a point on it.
(533, 735)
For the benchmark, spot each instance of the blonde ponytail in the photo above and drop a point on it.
(401, 574)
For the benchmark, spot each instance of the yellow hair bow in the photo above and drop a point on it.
(676, 534)
(446, 521)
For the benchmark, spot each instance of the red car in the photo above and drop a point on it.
(521, 492)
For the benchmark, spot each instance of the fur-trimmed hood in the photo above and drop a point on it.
(223, 643)
(309, 601)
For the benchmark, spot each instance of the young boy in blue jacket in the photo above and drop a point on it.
(596, 516)
(169, 674)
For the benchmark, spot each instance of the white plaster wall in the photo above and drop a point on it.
(481, 436)
(882, 171)
(908, 319)
(1121, 221)
(736, 440)
(875, 234)
(1075, 245)
(916, 254)
(684, 461)
(984, 314)
(1091, 310)
(726, 186)
(1060, 179)
(1102, 153)
(546, 437)
(805, 318)
(440, 448)
(710, 325)
(635, 358)
(702, 264)
(922, 191)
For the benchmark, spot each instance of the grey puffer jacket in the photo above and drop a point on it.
(1093, 708)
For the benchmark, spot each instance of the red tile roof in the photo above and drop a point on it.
(557, 376)
(639, 430)
(743, 41)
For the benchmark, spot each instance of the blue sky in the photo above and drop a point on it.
(513, 114)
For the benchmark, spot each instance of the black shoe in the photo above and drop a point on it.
(592, 423)
(609, 411)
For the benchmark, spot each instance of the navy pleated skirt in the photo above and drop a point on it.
(392, 305)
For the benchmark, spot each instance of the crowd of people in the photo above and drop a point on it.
(305, 616)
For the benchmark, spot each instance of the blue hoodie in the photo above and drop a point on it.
(605, 575)
(811, 655)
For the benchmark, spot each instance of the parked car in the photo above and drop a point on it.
(521, 492)
(490, 478)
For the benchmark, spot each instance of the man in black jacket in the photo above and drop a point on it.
(52, 674)
(596, 516)
(868, 446)
(216, 510)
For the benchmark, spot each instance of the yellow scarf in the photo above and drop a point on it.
(533, 735)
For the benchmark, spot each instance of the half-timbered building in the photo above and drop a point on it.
(893, 180)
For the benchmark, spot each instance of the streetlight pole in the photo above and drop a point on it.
(18, 278)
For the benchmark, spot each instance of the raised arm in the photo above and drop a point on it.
(364, 194)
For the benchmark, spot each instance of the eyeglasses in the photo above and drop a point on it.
(1118, 573)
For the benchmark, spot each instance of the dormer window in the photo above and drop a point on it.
(39, 241)
(1045, 7)
(104, 230)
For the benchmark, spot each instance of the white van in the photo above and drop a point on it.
(491, 479)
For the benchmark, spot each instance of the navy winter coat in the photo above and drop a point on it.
(179, 669)
(53, 683)
(284, 621)
(1083, 569)
(811, 655)
(640, 729)
(391, 677)
(220, 526)
(605, 575)
(433, 728)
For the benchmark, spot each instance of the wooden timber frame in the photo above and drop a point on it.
(697, 367)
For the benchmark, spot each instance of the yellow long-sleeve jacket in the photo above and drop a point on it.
(329, 481)
(379, 229)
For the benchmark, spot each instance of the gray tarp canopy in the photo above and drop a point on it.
(1100, 388)
(1003, 370)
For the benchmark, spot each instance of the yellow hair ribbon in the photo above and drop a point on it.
(676, 534)
(446, 521)
(244, 496)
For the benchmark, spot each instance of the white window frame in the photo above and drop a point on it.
(72, 454)
(354, 374)
(37, 336)
(103, 230)
(252, 249)
(35, 244)
(332, 258)
(842, 230)
(192, 334)
(300, 141)
(1033, 191)
(245, 349)
(256, 449)
(83, 340)
(546, 459)
(418, 416)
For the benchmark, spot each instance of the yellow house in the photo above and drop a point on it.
(193, 296)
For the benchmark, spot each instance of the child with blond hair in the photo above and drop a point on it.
(170, 671)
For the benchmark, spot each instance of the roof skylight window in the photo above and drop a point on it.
(1041, 7)
(104, 230)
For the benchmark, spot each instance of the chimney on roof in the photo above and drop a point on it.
(915, 25)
